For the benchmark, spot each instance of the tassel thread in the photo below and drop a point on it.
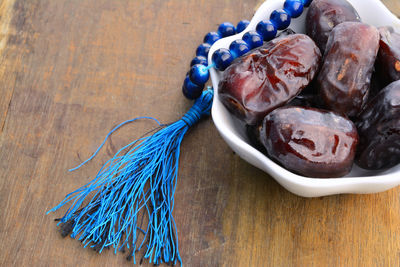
(139, 181)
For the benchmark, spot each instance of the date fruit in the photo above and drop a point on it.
(388, 60)
(268, 77)
(311, 142)
(324, 15)
(345, 76)
(379, 129)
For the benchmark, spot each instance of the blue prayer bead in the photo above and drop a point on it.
(238, 48)
(199, 60)
(242, 25)
(306, 3)
(280, 18)
(211, 37)
(222, 58)
(202, 50)
(226, 29)
(199, 74)
(191, 90)
(253, 39)
(293, 7)
(266, 29)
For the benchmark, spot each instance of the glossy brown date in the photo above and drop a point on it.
(324, 15)
(311, 142)
(379, 129)
(345, 76)
(268, 77)
(388, 60)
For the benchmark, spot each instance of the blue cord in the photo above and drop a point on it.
(140, 179)
(210, 66)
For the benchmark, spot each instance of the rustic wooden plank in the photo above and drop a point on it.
(6, 15)
(71, 70)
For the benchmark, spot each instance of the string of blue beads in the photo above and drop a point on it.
(266, 30)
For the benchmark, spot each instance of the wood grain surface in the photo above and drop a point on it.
(70, 70)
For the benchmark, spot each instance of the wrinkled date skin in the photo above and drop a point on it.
(379, 129)
(388, 60)
(311, 142)
(324, 15)
(345, 76)
(268, 77)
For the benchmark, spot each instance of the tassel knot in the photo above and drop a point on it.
(201, 107)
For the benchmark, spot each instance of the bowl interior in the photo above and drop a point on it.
(232, 130)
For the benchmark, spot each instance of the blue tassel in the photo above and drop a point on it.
(139, 181)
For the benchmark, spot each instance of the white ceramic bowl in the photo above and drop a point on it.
(232, 131)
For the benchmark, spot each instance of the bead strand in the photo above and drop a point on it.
(198, 74)
(266, 30)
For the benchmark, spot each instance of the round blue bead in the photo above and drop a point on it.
(253, 39)
(266, 29)
(293, 7)
(222, 58)
(280, 18)
(211, 37)
(191, 90)
(203, 49)
(199, 60)
(199, 74)
(306, 3)
(242, 25)
(226, 29)
(238, 48)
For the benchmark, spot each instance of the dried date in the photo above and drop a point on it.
(388, 60)
(345, 76)
(379, 129)
(309, 141)
(269, 76)
(324, 15)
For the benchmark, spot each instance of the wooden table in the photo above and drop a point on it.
(72, 69)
